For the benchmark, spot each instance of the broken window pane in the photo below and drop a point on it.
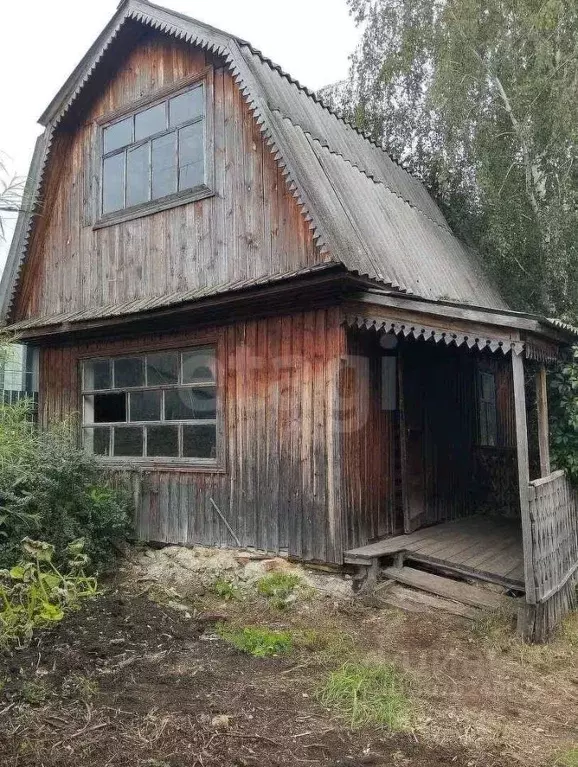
(109, 408)
(191, 156)
(117, 135)
(164, 165)
(162, 441)
(199, 441)
(113, 183)
(137, 175)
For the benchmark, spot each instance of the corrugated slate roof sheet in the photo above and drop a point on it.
(365, 210)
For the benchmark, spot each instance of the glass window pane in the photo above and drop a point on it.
(164, 165)
(145, 406)
(137, 175)
(109, 408)
(97, 440)
(128, 372)
(191, 156)
(162, 368)
(117, 135)
(149, 122)
(199, 441)
(113, 183)
(128, 441)
(97, 375)
(187, 106)
(188, 404)
(199, 366)
(162, 441)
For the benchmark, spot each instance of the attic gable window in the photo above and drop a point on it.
(155, 154)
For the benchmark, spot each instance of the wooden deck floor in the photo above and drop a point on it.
(488, 548)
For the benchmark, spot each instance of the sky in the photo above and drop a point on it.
(41, 41)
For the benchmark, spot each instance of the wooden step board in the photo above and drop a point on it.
(447, 588)
(410, 600)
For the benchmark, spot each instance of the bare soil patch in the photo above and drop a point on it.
(130, 680)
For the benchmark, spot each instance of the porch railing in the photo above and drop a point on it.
(554, 527)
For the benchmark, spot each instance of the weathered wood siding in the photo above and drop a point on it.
(252, 225)
(554, 533)
(370, 445)
(279, 488)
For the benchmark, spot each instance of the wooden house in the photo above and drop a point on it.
(267, 323)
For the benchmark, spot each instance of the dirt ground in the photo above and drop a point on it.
(138, 677)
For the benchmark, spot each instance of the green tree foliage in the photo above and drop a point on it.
(478, 98)
(564, 403)
(53, 491)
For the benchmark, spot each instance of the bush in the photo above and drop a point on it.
(564, 415)
(34, 593)
(54, 491)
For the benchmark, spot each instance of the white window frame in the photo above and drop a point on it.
(87, 394)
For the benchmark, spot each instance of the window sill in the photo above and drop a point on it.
(149, 208)
(131, 464)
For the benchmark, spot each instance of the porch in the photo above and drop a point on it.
(478, 547)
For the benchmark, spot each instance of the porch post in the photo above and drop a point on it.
(543, 427)
(523, 473)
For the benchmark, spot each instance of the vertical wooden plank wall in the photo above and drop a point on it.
(252, 226)
(370, 444)
(278, 490)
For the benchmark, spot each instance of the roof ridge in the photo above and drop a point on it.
(286, 75)
(325, 145)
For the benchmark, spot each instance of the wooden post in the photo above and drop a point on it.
(543, 427)
(523, 473)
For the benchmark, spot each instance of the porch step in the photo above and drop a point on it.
(448, 588)
(410, 600)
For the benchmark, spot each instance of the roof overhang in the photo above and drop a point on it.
(459, 324)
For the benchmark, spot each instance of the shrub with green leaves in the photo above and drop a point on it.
(52, 490)
(564, 415)
(34, 593)
(368, 694)
(257, 641)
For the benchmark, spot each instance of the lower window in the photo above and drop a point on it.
(161, 405)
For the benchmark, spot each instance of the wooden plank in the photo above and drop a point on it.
(447, 588)
(543, 425)
(523, 473)
(407, 599)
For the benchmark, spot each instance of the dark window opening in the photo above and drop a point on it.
(110, 408)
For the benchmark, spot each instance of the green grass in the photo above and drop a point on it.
(279, 585)
(225, 589)
(278, 588)
(256, 641)
(568, 758)
(368, 694)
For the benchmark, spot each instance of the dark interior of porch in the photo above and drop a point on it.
(432, 470)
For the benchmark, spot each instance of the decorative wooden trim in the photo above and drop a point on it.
(438, 334)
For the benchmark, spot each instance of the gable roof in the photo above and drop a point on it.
(364, 209)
